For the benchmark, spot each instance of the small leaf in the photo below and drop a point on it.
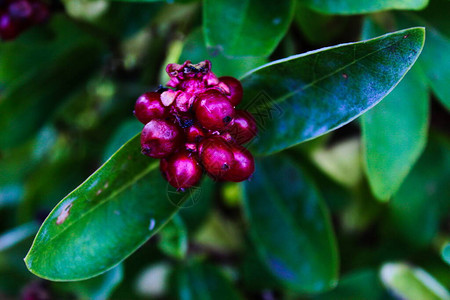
(407, 282)
(202, 281)
(105, 219)
(395, 131)
(195, 51)
(173, 238)
(290, 226)
(304, 96)
(423, 197)
(445, 253)
(240, 28)
(353, 7)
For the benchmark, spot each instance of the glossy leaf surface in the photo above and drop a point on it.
(105, 219)
(249, 28)
(307, 95)
(349, 7)
(290, 226)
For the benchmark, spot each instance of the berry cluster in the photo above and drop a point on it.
(18, 15)
(195, 127)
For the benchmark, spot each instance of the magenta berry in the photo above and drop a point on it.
(149, 106)
(181, 170)
(160, 138)
(244, 127)
(213, 110)
(216, 156)
(9, 29)
(21, 9)
(243, 166)
(195, 133)
(235, 89)
(195, 128)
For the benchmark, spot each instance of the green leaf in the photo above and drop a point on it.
(240, 28)
(105, 219)
(395, 131)
(304, 96)
(358, 285)
(195, 51)
(97, 288)
(433, 61)
(423, 197)
(173, 238)
(124, 132)
(445, 253)
(290, 226)
(351, 7)
(201, 281)
(407, 282)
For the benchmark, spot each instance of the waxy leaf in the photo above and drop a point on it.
(349, 7)
(245, 27)
(395, 131)
(105, 219)
(407, 282)
(290, 226)
(202, 281)
(304, 96)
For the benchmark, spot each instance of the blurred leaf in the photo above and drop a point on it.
(16, 235)
(433, 60)
(105, 219)
(395, 131)
(445, 253)
(340, 162)
(153, 281)
(358, 285)
(407, 282)
(239, 28)
(423, 197)
(201, 281)
(290, 226)
(97, 288)
(195, 51)
(435, 14)
(349, 7)
(173, 238)
(126, 131)
(304, 96)
(319, 29)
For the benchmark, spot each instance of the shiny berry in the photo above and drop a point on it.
(216, 156)
(160, 138)
(20, 9)
(243, 166)
(213, 110)
(244, 127)
(149, 106)
(235, 88)
(181, 170)
(195, 133)
(8, 28)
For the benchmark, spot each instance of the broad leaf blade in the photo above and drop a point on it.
(246, 28)
(395, 131)
(105, 219)
(290, 226)
(202, 281)
(349, 7)
(307, 95)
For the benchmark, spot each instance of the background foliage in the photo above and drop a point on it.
(353, 212)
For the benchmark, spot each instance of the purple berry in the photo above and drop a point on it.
(216, 156)
(149, 106)
(160, 138)
(244, 127)
(195, 133)
(235, 87)
(243, 166)
(20, 9)
(181, 170)
(213, 110)
(8, 28)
